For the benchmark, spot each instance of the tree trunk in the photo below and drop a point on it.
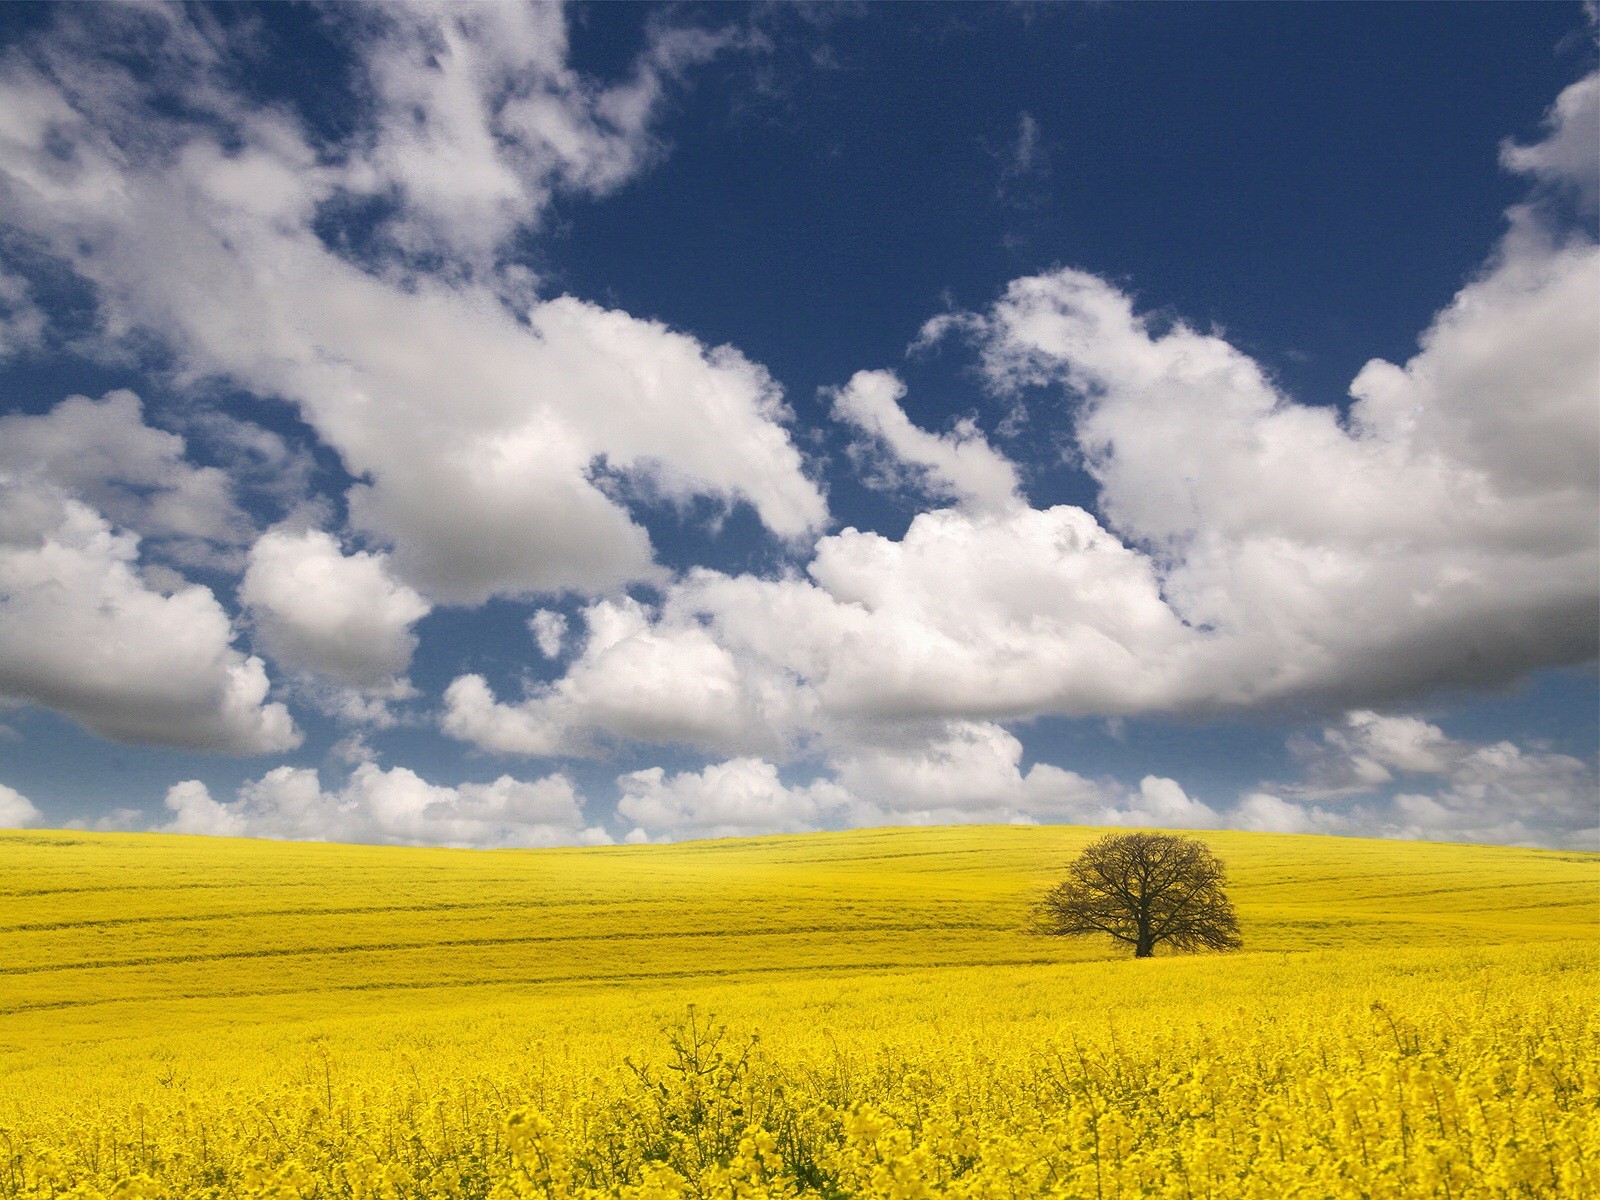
(1145, 937)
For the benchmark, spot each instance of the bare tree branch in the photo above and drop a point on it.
(1146, 889)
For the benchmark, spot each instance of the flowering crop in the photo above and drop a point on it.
(840, 1015)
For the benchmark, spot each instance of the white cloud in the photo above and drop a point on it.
(1025, 152)
(1566, 156)
(1370, 747)
(16, 810)
(259, 462)
(370, 705)
(1003, 614)
(393, 806)
(472, 714)
(971, 771)
(1278, 553)
(490, 433)
(1400, 776)
(82, 633)
(1443, 534)
(637, 678)
(1504, 793)
(353, 750)
(969, 614)
(22, 321)
(549, 629)
(1024, 164)
(1263, 812)
(103, 452)
(961, 772)
(1163, 802)
(959, 465)
(740, 798)
(196, 812)
(1270, 553)
(341, 616)
(956, 773)
(480, 120)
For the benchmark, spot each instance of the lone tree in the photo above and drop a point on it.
(1144, 889)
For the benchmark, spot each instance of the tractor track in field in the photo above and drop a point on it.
(615, 979)
(1586, 885)
(343, 880)
(516, 903)
(462, 943)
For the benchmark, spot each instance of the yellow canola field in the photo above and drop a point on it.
(853, 1014)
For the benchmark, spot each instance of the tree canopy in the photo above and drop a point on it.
(1144, 889)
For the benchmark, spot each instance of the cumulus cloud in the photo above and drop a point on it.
(743, 797)
(1504, 793)
(83, 633)
(549, 629)
(353, 749)
(480, 121)
(1262, 812)
(473, 714)
(341, 616)
(961, 772)
(372, 706)
(971, 771)
(1565, 157)
(1369, 776)
(959, 465)
(1163, 802)
(259, 462)
(1441, 533)
(103, 452)
(16, 810)
(968, 614)
(394, 806)
(488, 430)
(1400, 776)
(1253, 552)
(637, 678)
(1369, 749)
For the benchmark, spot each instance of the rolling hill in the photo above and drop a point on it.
(152, 972)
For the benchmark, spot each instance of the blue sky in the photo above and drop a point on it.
(519, 426)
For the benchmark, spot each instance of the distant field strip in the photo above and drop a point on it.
(207, 916)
